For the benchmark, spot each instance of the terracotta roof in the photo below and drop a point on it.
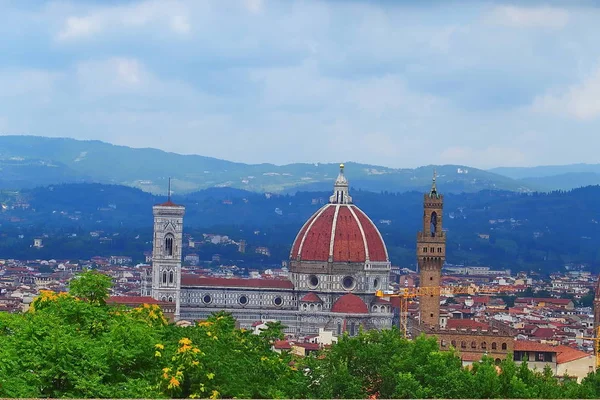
(455, 323)
(544, 333)
(350, 304)
(282, 345)
(342, 232)
(564, 354)
(481, 299)
(169, 203)
(311, 298)
(309, 346)
(526, 345)
(195, 280)
(542, 300)
(568, 354)
(132, 300)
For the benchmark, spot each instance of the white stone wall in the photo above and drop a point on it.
(166, 265)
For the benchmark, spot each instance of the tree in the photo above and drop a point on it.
(91, 286)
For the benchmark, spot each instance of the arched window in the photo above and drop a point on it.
(463, 345)
(503, 346)
(434, 221)
(453, 343)
(484, 345)
(169, 245)
(171, 277)
(339, 328)
(473, 344)
(164, 277)
(352, 329)
(443, 343)
(494, 346)
(170, 299)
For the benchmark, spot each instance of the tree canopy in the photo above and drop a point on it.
(75, 345)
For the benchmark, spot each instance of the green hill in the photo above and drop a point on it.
(30, 161)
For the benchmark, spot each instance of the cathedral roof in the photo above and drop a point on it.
(311, 298)
(340, 232)
(350, 304)
(196, 280)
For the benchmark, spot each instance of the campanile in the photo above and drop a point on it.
(431, 254)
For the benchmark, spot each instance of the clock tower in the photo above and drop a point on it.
(431, 254)
(166, 252)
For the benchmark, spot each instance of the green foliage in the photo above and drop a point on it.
(91, 286)
(68, 346)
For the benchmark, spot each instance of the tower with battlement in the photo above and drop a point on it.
(431, 254)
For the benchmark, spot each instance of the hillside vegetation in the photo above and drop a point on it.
(29, 161)
(539, 231)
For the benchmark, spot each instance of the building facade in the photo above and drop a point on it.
(166, 253)
(337, 262)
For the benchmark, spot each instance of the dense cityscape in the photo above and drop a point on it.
(545, 321)
(299, 199)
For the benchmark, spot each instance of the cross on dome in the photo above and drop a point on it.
(340, 189)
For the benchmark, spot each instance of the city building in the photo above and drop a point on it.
(337, 262)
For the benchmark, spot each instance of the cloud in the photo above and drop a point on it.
(405, 84)
(254, 6)
(580, 101)
(529, 17)
(153, 13)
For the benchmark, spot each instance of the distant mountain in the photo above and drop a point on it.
(30, 161)
(553, 177)
(544, 171)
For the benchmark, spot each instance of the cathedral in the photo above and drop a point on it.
(337, 263)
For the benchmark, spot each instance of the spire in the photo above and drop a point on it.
(169, 193)
(340, 189)
(433, 191)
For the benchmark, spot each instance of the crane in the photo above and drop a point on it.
(596, 341)
(410, 293)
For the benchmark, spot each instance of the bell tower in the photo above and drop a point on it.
(166, 252)
(431, 254)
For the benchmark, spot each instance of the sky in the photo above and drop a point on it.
(394, 83)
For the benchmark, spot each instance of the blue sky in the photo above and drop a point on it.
(394, 83)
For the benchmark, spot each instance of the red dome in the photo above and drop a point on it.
(350, 304)
(342, 232)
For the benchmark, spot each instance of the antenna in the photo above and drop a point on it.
(169, 195)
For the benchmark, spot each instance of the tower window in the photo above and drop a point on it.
(433, 225)
(169, 245)
(164, 277)
(424, 249)
(171, 277)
